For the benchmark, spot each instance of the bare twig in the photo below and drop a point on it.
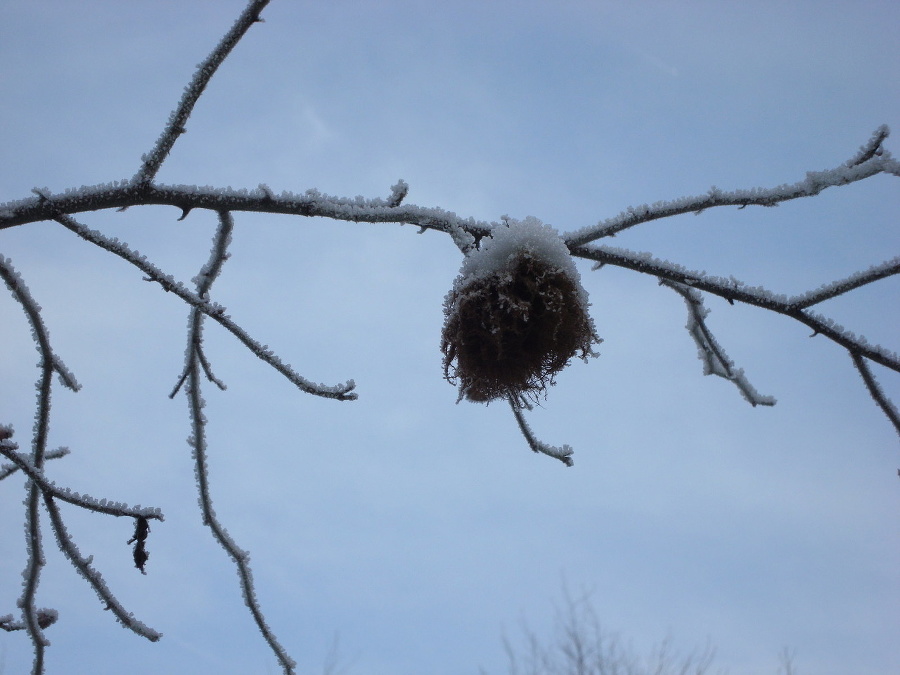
(48, 365)
(734, 290)
(93, 577)
(854, 281)
(84, 501)
(7, 470)
(240, 557)
(875, 390)
(341, 392)
(563, 454)
(177, 120)
(871, 160)
(872, 147)
(715, 360)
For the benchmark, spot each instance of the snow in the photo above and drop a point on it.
(507, 241)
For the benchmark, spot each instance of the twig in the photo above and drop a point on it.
(734, 290)
(6, 470)
(84, 501)
(93, 577)
(868, 162)
(198, 443)
(715, 360)
(341, 392)
(563, 454)
(177, 120)
(875, 390)
(854, 281)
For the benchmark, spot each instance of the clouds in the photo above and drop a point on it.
(417, 528)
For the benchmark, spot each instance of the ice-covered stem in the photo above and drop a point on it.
(204, 280)
(734, 290)
(177, 120)
(48, 365)
(872, 147)
(84, 501)
(341, 392)
(92, 576)
(22, 295)
(854, 281)
(197, 441)
(6, 470)
(715, 360)
(563, 454)
(871, 159)
(876, 392)
(312, 203)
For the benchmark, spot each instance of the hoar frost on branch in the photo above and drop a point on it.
(514, 318)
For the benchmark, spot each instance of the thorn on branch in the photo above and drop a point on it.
(185, 210)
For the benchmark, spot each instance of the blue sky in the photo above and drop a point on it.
(419, 530)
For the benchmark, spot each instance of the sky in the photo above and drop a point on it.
(416, 531)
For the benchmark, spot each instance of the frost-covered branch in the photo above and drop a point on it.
(84, 501)
(852, 282)
(312, 203)
(341, 392)
(48, 365)
(876, 392)
(7, 470)
(35, 620)
(715, 360)
(205, 71)
(22, 295)
(92, 576)
(563, 454)
(733, 290)
(192, 379)
(871, 160)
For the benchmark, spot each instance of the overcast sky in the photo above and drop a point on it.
(419, 530)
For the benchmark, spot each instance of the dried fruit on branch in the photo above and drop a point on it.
(516, 315)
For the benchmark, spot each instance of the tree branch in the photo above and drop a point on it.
(341, 392)
(84, 501)
(92, 576)
(241, 558)
(715, 360)
(875, 390)
(177, 120)
(563, 454)
(871, 160)
(734, 290)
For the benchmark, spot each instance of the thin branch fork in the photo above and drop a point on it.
(191, 377)
(732, 291)
(342, 392)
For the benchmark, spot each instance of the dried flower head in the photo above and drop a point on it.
(516, 315)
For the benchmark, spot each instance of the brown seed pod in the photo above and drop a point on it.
(518, 320)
